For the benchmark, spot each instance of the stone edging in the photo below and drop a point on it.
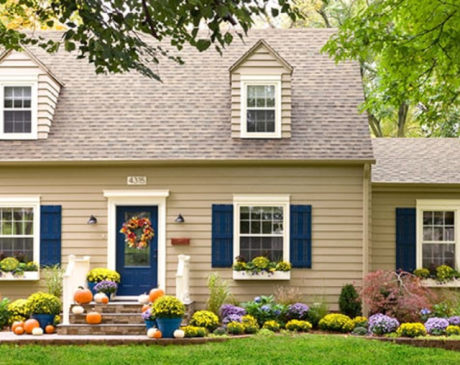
(453, 345)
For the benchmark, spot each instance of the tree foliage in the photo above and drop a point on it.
(417, 46)
(116, 35)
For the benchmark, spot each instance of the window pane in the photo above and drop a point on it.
(8, 103)
(19, 247)
(437, 234)
(427, 218)
(436, 254)
(449, 218)
(438, 218)
(18, 121)
(252, 247)
(244, 212)
(8, 92)
(244, 227)
(261, 121)
(449, 234)
(251, 96)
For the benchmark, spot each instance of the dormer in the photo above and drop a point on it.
(261, 94)
(29, 93)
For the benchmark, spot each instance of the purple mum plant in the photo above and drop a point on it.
(436, 326)
(106, 286)
(454, 321)
(228, 309)
(380, 324)
(148, 315)
(298, 311)
(232, 318)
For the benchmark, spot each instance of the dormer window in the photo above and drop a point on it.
(261, 106)
(18, 116)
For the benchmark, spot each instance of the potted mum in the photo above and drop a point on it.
(107, 287)
(97, 275)
(261, 268)
(149, 318)
(168, 311)
(44, 307)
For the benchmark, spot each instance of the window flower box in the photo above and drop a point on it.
(263, 275)
(26, 276)
(432, 283)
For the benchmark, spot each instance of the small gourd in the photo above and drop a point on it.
(49, 329)
(151, 332)
(143, 298)
(99, 297)
(155, 294)
(179, 334)
(83, 296)
(77, 309)
(93, 317)
(37, 331)
(18, 330)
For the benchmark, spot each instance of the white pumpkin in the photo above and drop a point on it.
(77, 309)
(37, 331)
(99, 297)
(151, 332)
(179, 334)
(143, 298)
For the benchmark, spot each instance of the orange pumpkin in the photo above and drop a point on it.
(83, 296)
(49, 329)
(30, 324)
(93, 317)
(105, 300)
(157, 334)
(17, 324)
(19, 330)
(145, 307)
(155, 294)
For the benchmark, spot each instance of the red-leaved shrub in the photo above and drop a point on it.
(397, 294)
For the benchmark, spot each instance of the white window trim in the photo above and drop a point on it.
(261, 200)
(31, 81)
(27, 202)
(137, 197)
(247, 80)
(437, 205)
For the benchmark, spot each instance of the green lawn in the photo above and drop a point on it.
(307, 349)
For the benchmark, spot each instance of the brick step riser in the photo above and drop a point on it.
(102, 331)
(114, 308)
(108, 318)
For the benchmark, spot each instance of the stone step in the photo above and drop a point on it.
(113, 307)
(109, 318)
(102, 329)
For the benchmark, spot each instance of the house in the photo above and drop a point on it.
(259, 151)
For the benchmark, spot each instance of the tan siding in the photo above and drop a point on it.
(384, 206)
(335, 194)
(261, 62)
(48, 89)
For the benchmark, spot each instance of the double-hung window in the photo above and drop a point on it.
(261, 107)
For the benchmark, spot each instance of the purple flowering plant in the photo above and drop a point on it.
(264, 308)
(106, 286)
(436, 326)
(297, 311)
(380, 324)
(454, 321)
(228, 309)
(232, 318)
(148, 315)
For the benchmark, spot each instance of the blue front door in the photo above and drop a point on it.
(137, 267)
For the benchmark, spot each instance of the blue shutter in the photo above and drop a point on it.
(300, 245)
(222, 235)
(50, 235)
(405, 239)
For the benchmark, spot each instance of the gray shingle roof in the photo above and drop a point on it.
(416, 160)
(129, 117)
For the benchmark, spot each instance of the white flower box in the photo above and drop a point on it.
(431, 283)
(277, 275)
(26, 276)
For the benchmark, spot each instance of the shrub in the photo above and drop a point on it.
(400, 295)
(453, 331)
(380, 324)
(4, 313)
(436, 326)
(168, 306)
(219, 291)
(220, 331)
(53, 277)
(298, 326)
(287, 295)
(422, 273)
(193, 331)
(411, 330)
(43, 303)
(359, 331)
(336, 323)
(250, 324)
(205, 319)
(18, 311)
(264, 332)
(349, 302)
(228, 309)
(317, 311)
(264, 309)
(235, 328)
(360, 322)
(272, 326)
(444, 273)
(297, 311)
(454, 321)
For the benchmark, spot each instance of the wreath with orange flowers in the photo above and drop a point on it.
(138, 232)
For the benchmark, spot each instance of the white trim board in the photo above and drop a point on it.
(137, 197)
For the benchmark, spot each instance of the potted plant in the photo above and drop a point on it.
(11, 267)
(261, 268)
(97, 275)
(168, 311)
(108, 287)
(44, 307)
(149, 318)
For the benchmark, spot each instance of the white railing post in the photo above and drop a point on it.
(74, 276)
(183, 279)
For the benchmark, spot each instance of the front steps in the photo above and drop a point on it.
(119, 318)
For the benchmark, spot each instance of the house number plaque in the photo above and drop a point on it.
(137, 180)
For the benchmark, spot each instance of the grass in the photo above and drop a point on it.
(305, 349)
